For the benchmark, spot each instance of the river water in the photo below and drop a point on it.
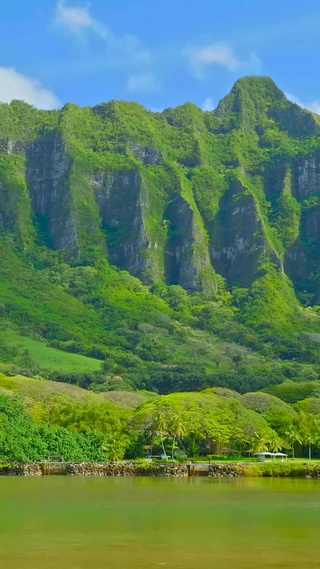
(139, 523)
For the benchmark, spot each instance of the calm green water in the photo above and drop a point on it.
(87, 523)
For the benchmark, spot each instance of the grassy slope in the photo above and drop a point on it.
(49, 358)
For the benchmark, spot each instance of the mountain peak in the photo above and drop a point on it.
(258, 83)
(254, 99)
(253, 93)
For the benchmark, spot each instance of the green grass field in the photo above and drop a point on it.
(49, 358)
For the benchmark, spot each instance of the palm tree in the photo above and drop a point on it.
(160, 427)
(308, 425)
(260, 442)
(293, 436)
(275, 442)
(177, 428)
(309, 439)
(115, 445)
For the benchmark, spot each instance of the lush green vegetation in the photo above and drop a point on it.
(164, 341)
(47, 357)
(40, 418)
(162, 252)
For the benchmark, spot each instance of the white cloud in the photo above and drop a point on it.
(143, 83)
(219, 54)
(14, 85)
(313, 106)
(122, 51)
(77, 20)
(208, 104)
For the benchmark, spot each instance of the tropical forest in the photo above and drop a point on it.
(159, 279)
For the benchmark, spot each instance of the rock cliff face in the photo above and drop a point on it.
(122, 183)
(187, 256)
(306, 176)
(47, 170)
(241, 239)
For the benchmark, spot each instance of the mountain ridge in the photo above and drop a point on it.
(202, 216)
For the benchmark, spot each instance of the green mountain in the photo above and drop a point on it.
(167, 251)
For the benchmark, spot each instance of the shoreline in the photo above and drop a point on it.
(174, 470)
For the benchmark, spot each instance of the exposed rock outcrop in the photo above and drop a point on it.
(306, 175)
(48, 166)
(187, 256)
(145, 154)
(118, 181)
(240, 240)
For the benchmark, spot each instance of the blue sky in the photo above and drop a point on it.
(160, 53)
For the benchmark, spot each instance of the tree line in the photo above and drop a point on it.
(178, 425)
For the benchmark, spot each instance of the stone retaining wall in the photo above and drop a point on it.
(95, 469)
(125, 469)
(21, 469)
(217, 470)
(169, 469)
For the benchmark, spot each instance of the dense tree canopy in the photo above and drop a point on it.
(39, 418)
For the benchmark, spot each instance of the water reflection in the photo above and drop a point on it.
(82, 523)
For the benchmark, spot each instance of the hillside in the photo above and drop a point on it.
(167, 251)
(42, 418)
